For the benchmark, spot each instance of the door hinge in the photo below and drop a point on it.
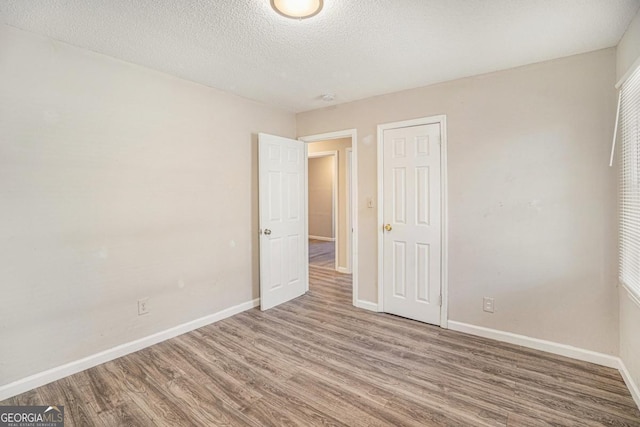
(440, 300)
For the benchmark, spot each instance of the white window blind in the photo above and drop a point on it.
(630, 184)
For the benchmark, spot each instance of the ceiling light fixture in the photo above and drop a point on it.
(297, 9)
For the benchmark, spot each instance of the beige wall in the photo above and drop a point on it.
(321, 197)
(340, 145)
(116, 183)
(628, 52)
(532, 218)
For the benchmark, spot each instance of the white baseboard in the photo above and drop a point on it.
(343, 270)
(54, 374)
(538, 344)
(631, 384)
(367, 305)
(324, 239)
(555, 348)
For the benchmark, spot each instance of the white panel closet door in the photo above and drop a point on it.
(413, 224)
(283, 241)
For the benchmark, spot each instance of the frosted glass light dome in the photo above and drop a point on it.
(297, 9)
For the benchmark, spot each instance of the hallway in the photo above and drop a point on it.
(322, 254)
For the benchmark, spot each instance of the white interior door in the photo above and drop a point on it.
(283, 241)
(412, 244)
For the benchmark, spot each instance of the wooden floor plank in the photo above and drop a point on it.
(322, 254)
(317, 360)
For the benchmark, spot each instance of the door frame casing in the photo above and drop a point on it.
(353, 134)
(349, 208)
(335, 223)
(444, 278)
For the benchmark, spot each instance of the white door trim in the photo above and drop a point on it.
(348, 209)
(353, 134)
(442, 120)
(335, 224)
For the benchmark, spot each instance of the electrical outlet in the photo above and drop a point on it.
(488, 304)
(143, 306)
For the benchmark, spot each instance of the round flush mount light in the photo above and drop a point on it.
(297, 9)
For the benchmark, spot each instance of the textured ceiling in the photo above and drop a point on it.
(354, 48)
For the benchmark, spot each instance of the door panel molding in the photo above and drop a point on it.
(442, 121)
(281, 173)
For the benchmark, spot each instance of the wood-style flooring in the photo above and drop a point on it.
(319, 361)
(322, 254)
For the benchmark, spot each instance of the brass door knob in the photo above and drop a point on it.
(388, 227)
(267, 231)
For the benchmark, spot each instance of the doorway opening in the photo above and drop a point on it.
(325, 189)
(331, 192)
